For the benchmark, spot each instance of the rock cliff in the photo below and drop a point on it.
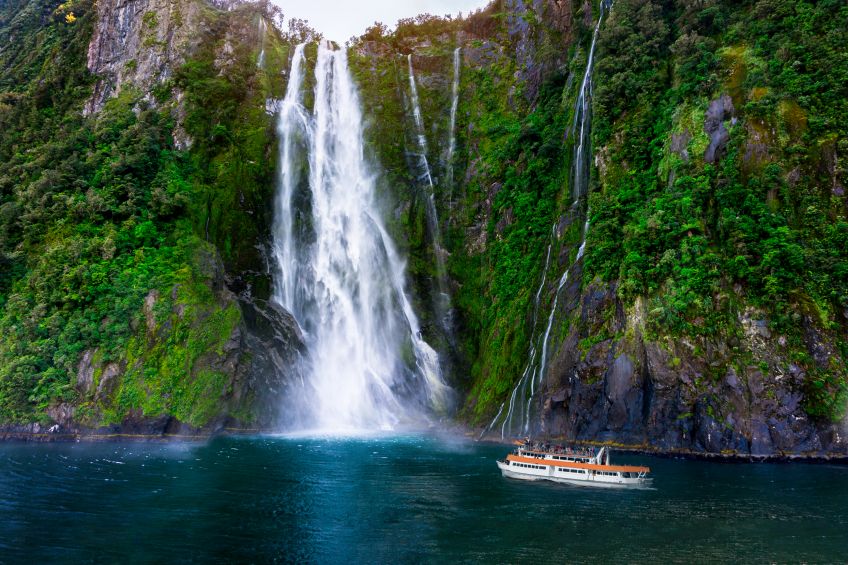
(675, 278)
(680, 317)
(139, 44)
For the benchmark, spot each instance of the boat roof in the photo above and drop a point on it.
(577, 465)
(572, 454)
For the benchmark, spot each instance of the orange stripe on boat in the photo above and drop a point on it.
(576, 465)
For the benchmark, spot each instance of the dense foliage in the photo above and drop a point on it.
(764, 225)
(717, 191)
(95, 212)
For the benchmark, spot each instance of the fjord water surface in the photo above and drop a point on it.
(397, 499)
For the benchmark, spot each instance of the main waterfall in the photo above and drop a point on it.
(367, 366)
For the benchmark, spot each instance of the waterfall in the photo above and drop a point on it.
(579, 186)
(528, 374)
(337, 269)
(583, 114)
(419, 127)
(454, 107)
(293, 131)
(562, 281)
(442, 301)
(260, 62)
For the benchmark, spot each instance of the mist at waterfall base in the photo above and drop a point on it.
(337, 270)
(397, 499)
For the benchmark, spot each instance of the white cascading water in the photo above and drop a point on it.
(260, 61)
(454, 108)
(419, 126)
(443, 306)
(580, 186)
(338, 272)
(563, 279)
(528, 376)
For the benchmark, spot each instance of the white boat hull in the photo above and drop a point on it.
(542, 472)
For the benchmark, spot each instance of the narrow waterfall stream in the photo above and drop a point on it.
(260, 61)
(426, 174)
(442, 300)
(520, 401)
(338, 272)
(454, 107)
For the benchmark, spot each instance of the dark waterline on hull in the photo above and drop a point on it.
(397, 499)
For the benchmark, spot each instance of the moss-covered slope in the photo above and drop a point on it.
(710, 310)
(134, 201)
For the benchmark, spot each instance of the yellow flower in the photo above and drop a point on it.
(70, 18)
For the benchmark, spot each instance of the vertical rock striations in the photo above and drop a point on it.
(139, 43)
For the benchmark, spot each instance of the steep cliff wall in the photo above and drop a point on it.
(706, 311)
(139, 43)
(133, 289)
(711, 314)
(690, 294)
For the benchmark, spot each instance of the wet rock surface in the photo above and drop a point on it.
(270, 344)
(719, 111)
(682, 395)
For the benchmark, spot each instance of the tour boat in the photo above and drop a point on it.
(578, 466)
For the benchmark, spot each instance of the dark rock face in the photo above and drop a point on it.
(678, 395)
(557, 18)
(718, 112)
(271, 344)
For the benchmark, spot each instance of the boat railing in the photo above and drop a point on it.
(544, 451)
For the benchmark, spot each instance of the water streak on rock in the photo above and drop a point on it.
(532, 377)
(442, 301)
(454, 106)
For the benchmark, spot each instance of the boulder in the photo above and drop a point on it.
(719, 111)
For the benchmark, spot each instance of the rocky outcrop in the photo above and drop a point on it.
(258, 359)
(533, 24)
(719, 111)
(139, 43)
(272, 345)
(682, 394)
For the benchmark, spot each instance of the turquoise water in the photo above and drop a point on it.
(397, 499)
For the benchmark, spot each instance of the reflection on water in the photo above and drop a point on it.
(391, 499)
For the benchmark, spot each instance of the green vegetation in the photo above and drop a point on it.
(766, 224)
(95, 213)
(170, 366)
